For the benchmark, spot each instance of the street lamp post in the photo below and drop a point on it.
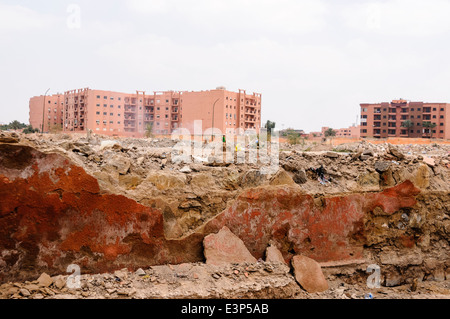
(43, 111)
(212, 128)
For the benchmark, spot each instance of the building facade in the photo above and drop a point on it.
(402, 118)
(125, 114)
(348, 132)
(47, 110)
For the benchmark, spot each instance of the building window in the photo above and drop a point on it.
(442, 116)
(118, 122)
(105, 97)
(111, 106)
(98, 113)
(412, 109)
(98, 104)
(105, 105)
(442, 109)
(104, 113)
(111, 114)
(434, 109)
(112, 98)
(98, 96)
(98, 122)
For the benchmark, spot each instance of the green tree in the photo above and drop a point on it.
(29, 130)
(149, 130)
(330, 133)
(429, 127)
(293, 137)
(14, 125)
(269, 127)
(407, 124)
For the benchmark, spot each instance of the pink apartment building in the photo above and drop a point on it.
(384, 120)
(125, 114)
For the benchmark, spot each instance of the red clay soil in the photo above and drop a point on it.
(53, 214)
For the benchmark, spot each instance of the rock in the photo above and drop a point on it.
(369, 180)
(331, 154)
(24, 292)
(252, 178)
(60, 283)
(130, 181)
(308, 274)
(32, 287)
(44, 280)
(300, 177)
(225, 248)
(120, 163)
(395, 152)
(273, 254)
(186, 169)
(364, 157)
(10, 140)
(140, 160)
(140, 272)
(382, 167)
(421, 177)
(368, 152)
(429, 161)
(165, 181)
(357, 154)
(109, 144)
(122, 274)
(281, 178)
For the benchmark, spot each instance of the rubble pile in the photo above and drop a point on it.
(123, 198)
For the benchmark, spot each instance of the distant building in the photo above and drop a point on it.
(128, 114)
(349, 132)
(383, 120)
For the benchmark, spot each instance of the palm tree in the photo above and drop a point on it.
(149, 130)
(269, 127)
(407, 124)
(432, 126)
(330, 132)
(429, 126)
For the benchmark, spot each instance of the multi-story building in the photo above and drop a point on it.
(350, 132)
(47, 110)
(125, 114)
(401, 118)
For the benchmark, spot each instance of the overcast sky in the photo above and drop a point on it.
(314, 61)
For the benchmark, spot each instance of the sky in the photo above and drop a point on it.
(313, 61)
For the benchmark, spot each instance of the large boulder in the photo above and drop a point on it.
(308, 274)
(226, 248)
